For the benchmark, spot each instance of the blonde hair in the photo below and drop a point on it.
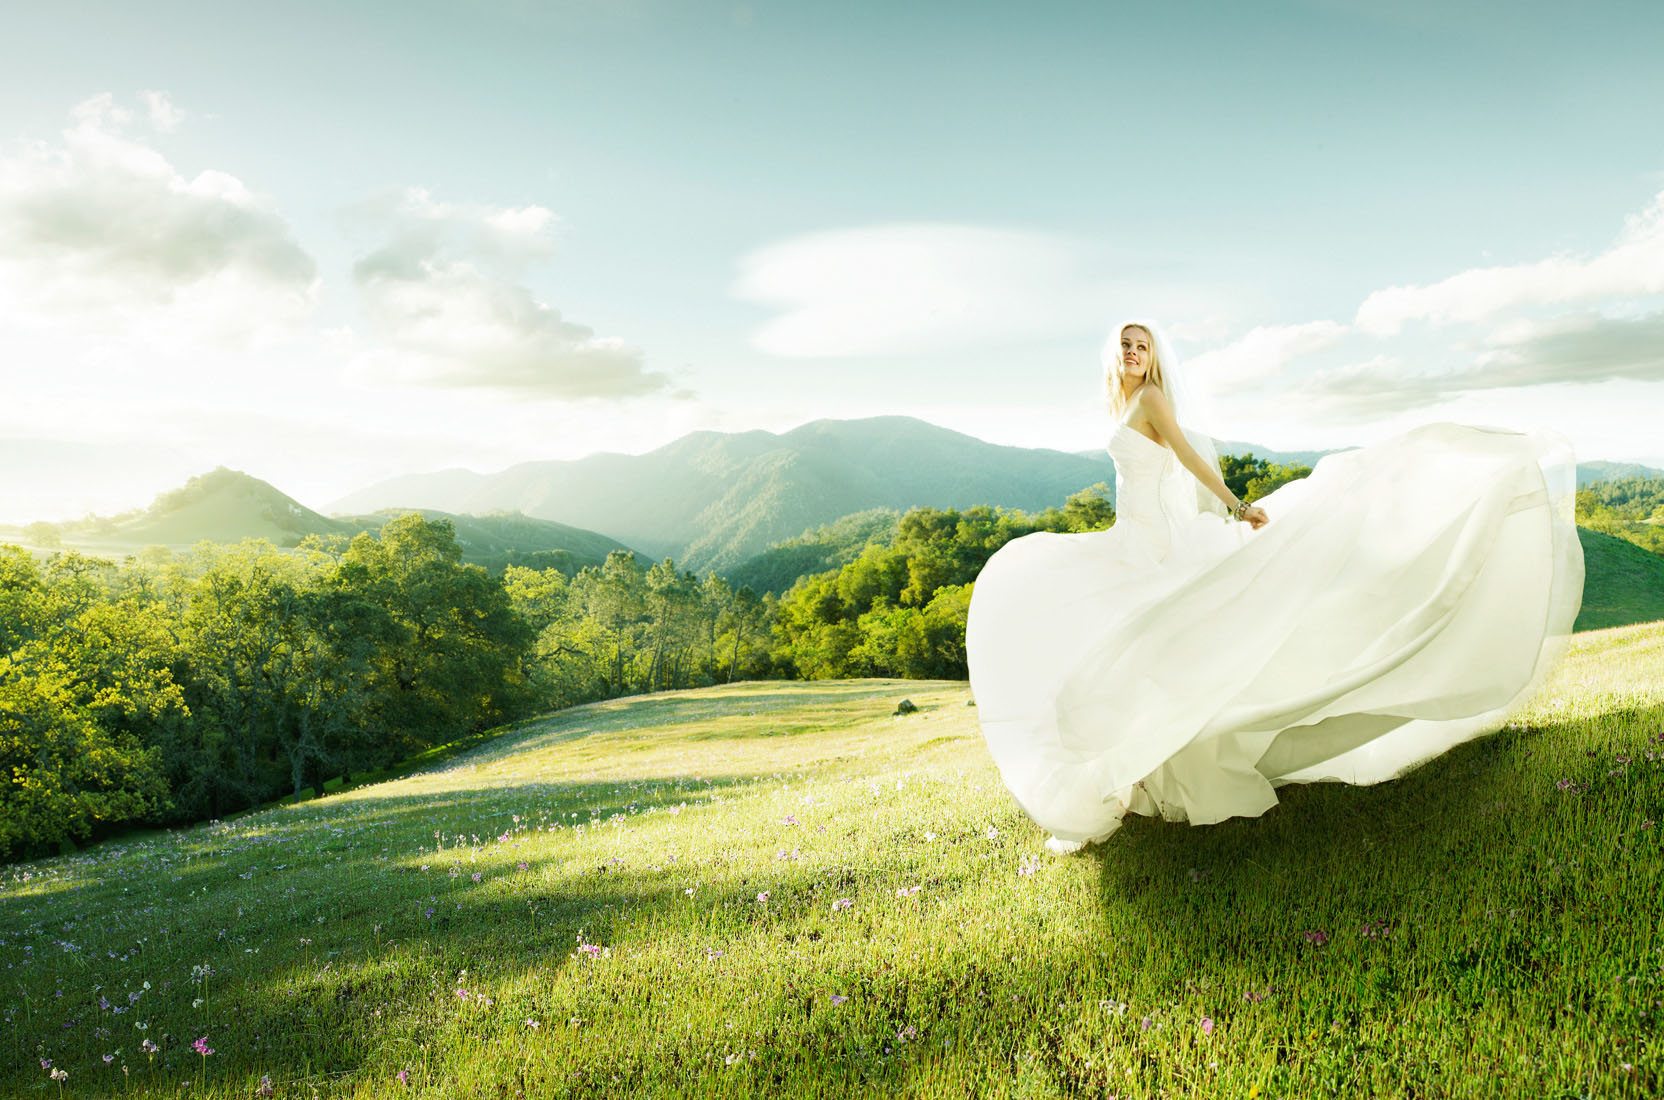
(1155, 375)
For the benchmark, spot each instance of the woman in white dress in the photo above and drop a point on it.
(1202, 652)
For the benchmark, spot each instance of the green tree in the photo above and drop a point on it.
(614, 597)
(1251, 478)
(84, 684)
(451, 661)
(1089, 510)
(233, 601)
(673, 607)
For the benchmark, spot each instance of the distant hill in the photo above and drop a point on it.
(830, 546)
(228, 506)
(510, 538)
(1590, 472)
(713, 500)
(220, 506)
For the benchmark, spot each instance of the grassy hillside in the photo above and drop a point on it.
(782, 890)
(1622, 582)
(222, 506)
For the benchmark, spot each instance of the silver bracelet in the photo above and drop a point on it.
(1240, 510)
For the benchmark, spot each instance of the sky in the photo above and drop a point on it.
(329, 244)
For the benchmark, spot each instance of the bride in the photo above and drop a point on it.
(1204, 651)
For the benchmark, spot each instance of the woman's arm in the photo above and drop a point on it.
(1159, 411)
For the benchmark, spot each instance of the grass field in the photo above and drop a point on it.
(1623, 583)
(780, 889)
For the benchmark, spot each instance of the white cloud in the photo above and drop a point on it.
(915, 288)
(1545, 327)
(163, 113)
(443, 297)
(100, 231)
(417, 227)
(1263, 353)
(1633, 266)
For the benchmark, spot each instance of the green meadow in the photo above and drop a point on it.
(783, 889)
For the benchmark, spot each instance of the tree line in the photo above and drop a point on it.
(170, 688)
(174, 688)
(1631, 508)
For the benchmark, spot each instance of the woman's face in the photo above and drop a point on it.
(1135, 351)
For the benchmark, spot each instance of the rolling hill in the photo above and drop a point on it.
(1590, 472)
(229, 506)
(712, 500)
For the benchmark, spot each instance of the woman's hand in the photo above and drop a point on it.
(1255, 517)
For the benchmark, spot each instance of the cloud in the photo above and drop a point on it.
(418, 227)
(101, 221)
(164, 115)
(914, 288)
(1585, 348)
(1633, 266)
(1263, 353)
(444, 297)
(1558, 321)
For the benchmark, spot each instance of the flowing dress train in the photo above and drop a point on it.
(1401, 600)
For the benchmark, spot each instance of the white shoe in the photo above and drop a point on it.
(1063, 847)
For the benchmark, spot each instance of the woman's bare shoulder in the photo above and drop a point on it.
(1147, 399)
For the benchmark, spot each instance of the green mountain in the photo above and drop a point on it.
(228, 506)
(221, 506)
(510, 538)
(829, 546)
(1590, 472)
(713, 500)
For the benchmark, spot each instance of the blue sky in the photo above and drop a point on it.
(331, 243)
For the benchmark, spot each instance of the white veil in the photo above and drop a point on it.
(1183, 490)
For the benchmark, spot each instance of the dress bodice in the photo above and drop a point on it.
(1144, 481)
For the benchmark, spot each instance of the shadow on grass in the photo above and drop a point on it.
(1425, 862)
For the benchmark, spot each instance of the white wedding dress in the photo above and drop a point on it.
(1401, 600)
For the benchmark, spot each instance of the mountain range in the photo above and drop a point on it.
(712, 500)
